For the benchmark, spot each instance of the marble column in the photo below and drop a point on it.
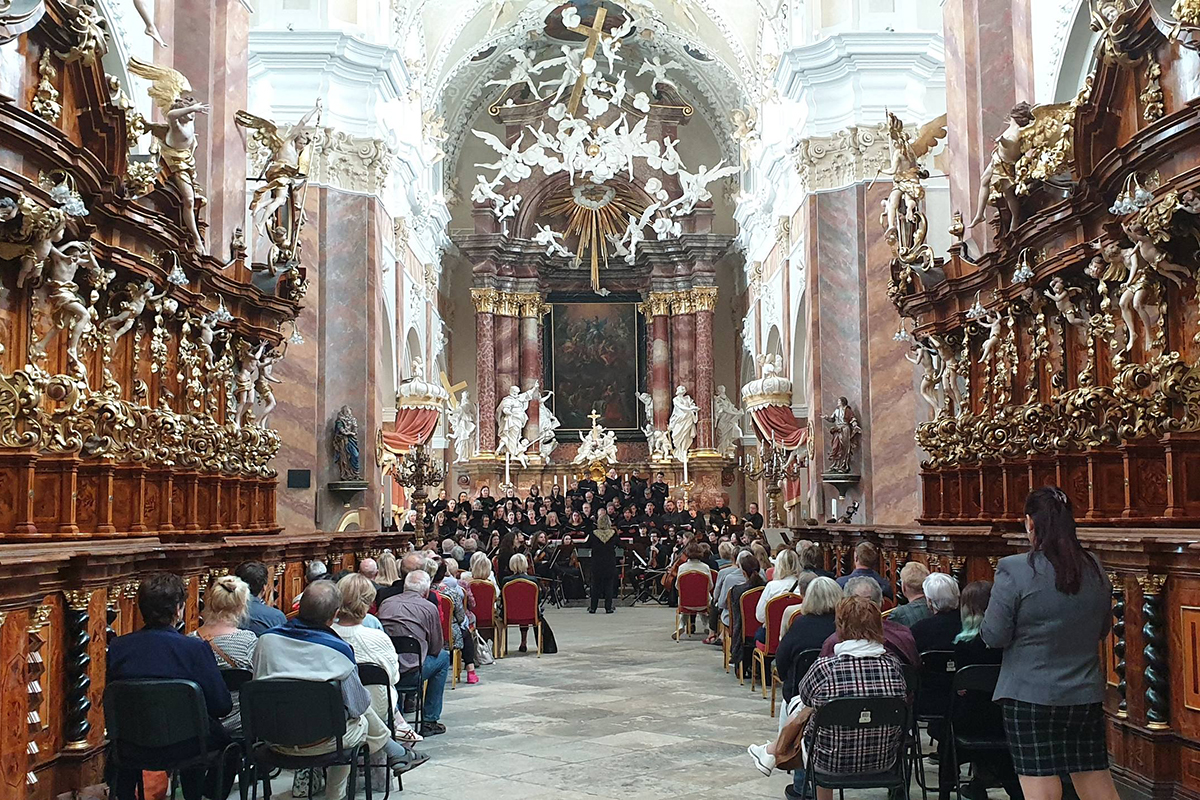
(657, 308)
(683, 343)
(210, 46)
(507, 351)
(485, 366)
(989, 69)
(704, 299)
(531, 365)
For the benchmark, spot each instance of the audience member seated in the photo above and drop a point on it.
(937, 632)
(742, 646)
(861, 666)
(369, 569)
(696, 554)
(371, 647)
(727, 578)
(866, 562)
(260, 616)
(785, 580)
(481, 570)
(753, 518)
(810, 558)
(460, 628)
(307, 649)
(896, 638)
(803, 581)
(411, 614)
(912, 580)
(160, 651)
(518, 569)
(388, 582)
(225, 605)
(811, 626)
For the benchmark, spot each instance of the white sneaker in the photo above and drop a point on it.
(764, 761)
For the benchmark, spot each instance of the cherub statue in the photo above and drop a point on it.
(280, 251)
(631, 239)
(40, 229)
(433, 131)
(658, 72)
(551, 240)
(1062, 295)
(137, 296)
(923, 357)
(287, 168)
(262, 384)
(999, 180)
(177, 138)
(206, 334)
(906, 169)
(1139, 293)
(571, 61)
(511, 165)
(522, 72)
(949, 371)
(610, 44)
(67, 307)
(993, 323)
(695, 186)
(247, 360)
(745, 123)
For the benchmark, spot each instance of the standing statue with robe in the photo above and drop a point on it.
(345, 445)
(684, 417)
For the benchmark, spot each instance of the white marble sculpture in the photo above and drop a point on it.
(463, 428)
(598, 445)
(658, 71)
(684, 417)
(511, 417)
(727, 422)
(695, 186)
(548, 425)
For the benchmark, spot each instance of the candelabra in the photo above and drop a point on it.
(416, 470)
(773, 465)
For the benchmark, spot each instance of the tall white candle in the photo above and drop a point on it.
(685, 470)
(507, 473)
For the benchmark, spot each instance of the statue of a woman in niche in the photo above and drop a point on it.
(345, 445)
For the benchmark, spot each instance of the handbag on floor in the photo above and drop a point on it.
(546, 637)
(483, 650)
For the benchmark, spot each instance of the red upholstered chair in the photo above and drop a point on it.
(485, 606)
(693, 590)
(446, 609)
(764, 651)
(519, 606)
(750, 624)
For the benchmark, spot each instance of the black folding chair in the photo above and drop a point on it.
(413, 681)
(932, 703)
(161, 726)
(800, 666)
(976, 724)
(235, 679)
(857, 714)
(278, 712)
(375, 675)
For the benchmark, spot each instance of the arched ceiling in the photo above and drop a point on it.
(460, 51)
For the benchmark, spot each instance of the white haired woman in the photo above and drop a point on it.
(371, 646)
(785, 579)
(937, 631)
(226, 604)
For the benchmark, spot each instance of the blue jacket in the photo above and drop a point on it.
(166, 653)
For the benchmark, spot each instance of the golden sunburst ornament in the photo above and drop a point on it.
(596, 214)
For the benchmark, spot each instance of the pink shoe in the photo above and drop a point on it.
(472, 678)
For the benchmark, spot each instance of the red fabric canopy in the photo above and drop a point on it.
(413, 426)
(778, 424)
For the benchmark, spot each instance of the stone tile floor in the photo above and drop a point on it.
(620, 712)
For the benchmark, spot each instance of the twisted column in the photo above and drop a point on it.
(1118, 629)
(78, 664)
(485, 366)
(1154, 635)
(704, 301)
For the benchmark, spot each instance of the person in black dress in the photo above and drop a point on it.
(603, 544)
(486, 500)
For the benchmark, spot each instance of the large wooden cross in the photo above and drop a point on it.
(593, 35)
(453, 390)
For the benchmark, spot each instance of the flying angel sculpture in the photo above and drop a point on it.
(659, 72)
(695, 186)
(512, 166)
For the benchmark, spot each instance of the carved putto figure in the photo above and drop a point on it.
(522, 72)
(248, 364)
(951, 391)
(1063, 298)
(286, 176)
(345, 445)
(598, 445)
(262, 384)
(62, 296)
(844, 431)
(137, 295)
(931, 374)
(658, 72)
(33, 239)
(993, 323)
(727, 423)
(463, 428)
(177, 138)
(999, 181)
(684, 417)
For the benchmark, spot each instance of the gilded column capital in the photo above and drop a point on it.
(682, 302)
(486, 300)
(657, 304)
(704, 298)
(531, 304)
(1151, 583)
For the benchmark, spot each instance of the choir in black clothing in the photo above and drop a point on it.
(601, 518)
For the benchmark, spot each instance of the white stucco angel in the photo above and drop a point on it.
(993, 323)
(508, 211)
(571, 61)
(727, 423)
(658, 71)
(511, 165)
(925, 357)
(463, 428)
(632, 238)
(695, 186)
(551, 240)
(63, 298)
(485, 192)
(647, 401)
(177, 138)
(685, 415)
(548, 425)
(522, 71)
(610, 44)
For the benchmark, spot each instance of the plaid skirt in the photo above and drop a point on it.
(1055, 740)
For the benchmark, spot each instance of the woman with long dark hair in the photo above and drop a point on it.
(1048, 612)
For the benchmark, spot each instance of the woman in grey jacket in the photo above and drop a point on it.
(1048, 612)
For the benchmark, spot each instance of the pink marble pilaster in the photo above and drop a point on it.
(485, 372)
(507, 355)
(683, 352)
(704, 375)
(660, 370)
(531, 367)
